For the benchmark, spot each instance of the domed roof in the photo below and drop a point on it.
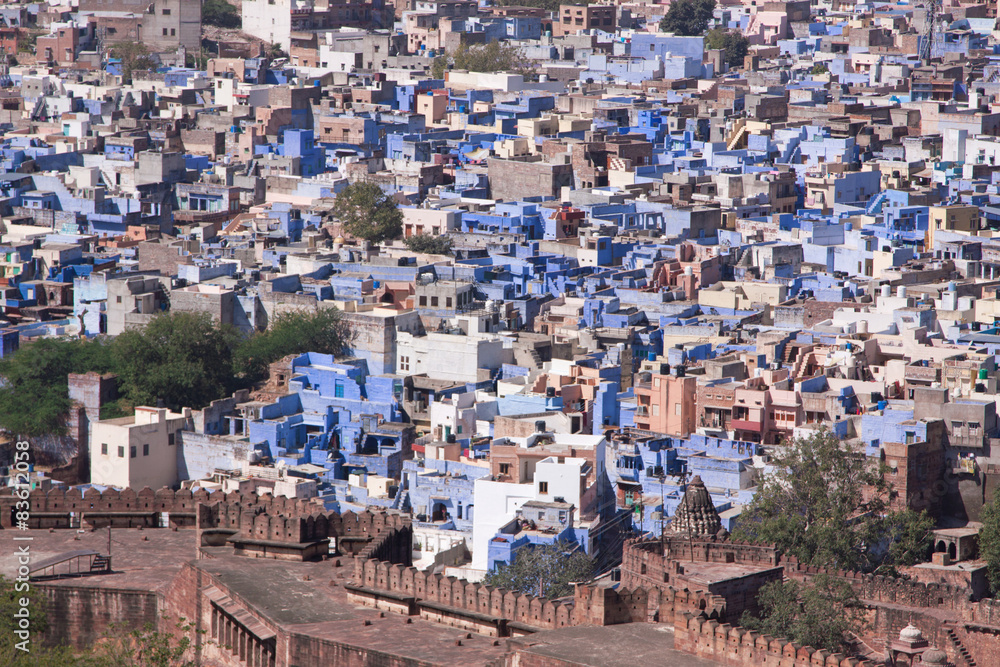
(696, 514)
(911, 633)
(934, 657)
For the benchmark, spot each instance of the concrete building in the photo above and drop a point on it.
(138, 451)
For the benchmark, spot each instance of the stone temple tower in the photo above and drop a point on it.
(696, 514)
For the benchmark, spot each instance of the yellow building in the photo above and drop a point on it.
(959, 218)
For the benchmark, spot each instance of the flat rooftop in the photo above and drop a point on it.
(624, 645)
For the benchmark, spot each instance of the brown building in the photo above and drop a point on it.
(574, 18)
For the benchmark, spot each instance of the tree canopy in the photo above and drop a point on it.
(543, 570)
(291, 333)
(134, 56)
(183, 359)
(829, 505)
(427, 243)
(989, 542)
(733, 43)
(823, 613)
(493, 57)
(688, 17)
(34, 396)
(366, 212)
(220, 14)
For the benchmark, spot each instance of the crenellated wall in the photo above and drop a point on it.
(456, 602)
(736, 646)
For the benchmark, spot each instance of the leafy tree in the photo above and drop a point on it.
(989, 542)
(427, 243)
(324, 331)
(543, 570)
(819, 68)
(275, 51)
(732, 42)
(688, 17)
(34, 396)
(185, 359)
(220, 14)
(822, 613)
(134, 56)
(493, 57)
(143, 647)
(828, 505)
(367, 213)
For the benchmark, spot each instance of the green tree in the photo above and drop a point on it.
(324, 331)
(220, 14)
(366, 212)
(547, 571)
(184, 359)
(688, 17)
(427, 243)
(819, 68)
(732, 42)
(989, 542)
(34, 393)
(828, 504)
(493, 57)
(823, 613)
(134, 56)
(123, 646)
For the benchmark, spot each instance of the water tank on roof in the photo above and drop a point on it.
(901, 291)
(886, 291)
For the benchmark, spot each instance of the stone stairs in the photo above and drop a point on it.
(962, 655)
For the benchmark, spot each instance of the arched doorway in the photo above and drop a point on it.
(439, 513)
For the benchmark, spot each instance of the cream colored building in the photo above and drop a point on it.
(741, 295)
(136, 452)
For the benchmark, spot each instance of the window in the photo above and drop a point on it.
(173, 32)
(338, 390)
(121, 451)
(629, 496)
(166, 12)
(132, 451)
(170, 438)
(447, 302)
(543, 487)
(504, 468)
(104, 449)
(423, 301)
(460, 433)
(434, 302)
(404, 363)
(145, 450)
(164, 32)
(119, 299)
(677, 409)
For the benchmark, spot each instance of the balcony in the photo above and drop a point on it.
(747, 425)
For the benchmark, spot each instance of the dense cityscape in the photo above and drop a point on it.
(454, 332)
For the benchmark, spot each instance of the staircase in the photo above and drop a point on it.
(402, 501)
(535, 357)
(876, 203)
(961, 653)
(738, 135)
(100, 564)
